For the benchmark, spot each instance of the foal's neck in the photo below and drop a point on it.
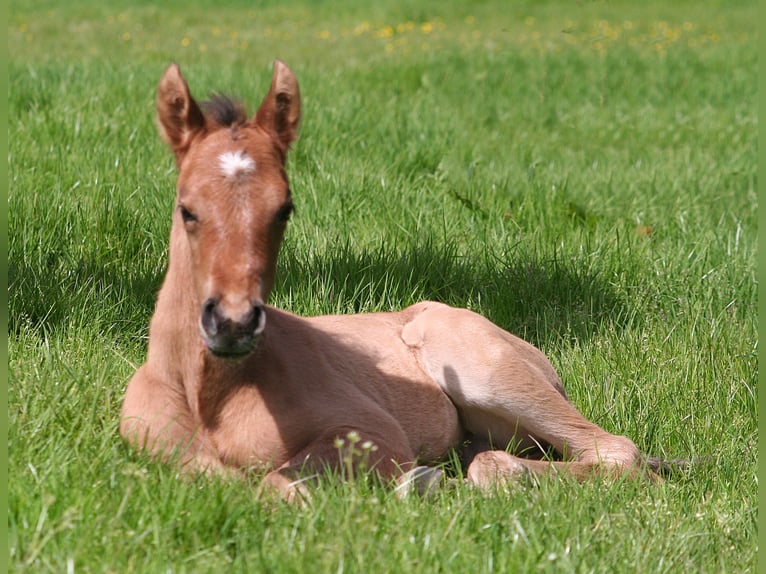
(175, 340)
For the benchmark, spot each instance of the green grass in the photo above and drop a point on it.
(584, 175)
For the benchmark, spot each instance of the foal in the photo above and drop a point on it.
(232, 384)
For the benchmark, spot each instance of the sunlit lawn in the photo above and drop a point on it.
(582, 174)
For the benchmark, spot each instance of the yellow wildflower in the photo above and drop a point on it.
(386, 32)
(361, 28)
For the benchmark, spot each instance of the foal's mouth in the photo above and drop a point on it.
(231, 351)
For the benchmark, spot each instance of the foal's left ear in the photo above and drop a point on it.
(179, 117)
(280, 111)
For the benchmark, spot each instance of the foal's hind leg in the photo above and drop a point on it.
(506, 390)
(492, 467)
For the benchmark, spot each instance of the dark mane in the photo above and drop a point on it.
(224, 110)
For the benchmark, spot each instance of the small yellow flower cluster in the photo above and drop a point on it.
(218, 38)
(24, 30)
(656, 36)
(401, 35)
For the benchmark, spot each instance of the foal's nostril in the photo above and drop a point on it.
(209, 317)
(258, 321)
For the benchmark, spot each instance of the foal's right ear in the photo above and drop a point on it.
(178, 115)
(280, 111)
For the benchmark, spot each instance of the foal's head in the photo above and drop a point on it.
(233, 200)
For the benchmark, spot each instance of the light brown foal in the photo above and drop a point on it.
(232, 384)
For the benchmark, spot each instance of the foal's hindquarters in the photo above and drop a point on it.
(509, 397)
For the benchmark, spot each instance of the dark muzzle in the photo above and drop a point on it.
(229, 337)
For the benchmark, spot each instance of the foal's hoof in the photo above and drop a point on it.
(421, 480)
(287, 486)
(491, 468)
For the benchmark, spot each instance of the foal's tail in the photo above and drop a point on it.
(665, 467)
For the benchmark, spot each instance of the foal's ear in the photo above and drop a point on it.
(178, 115)
(280, 111)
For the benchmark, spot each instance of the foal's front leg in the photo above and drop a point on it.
(347, 453)
(156, 418)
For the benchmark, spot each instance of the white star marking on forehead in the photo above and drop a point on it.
(235, 163)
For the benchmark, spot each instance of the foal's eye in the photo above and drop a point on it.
(285, 212)
(187, 215)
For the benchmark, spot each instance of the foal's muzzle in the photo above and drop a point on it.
(230, 337)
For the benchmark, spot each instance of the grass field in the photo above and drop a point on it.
(584, 174)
